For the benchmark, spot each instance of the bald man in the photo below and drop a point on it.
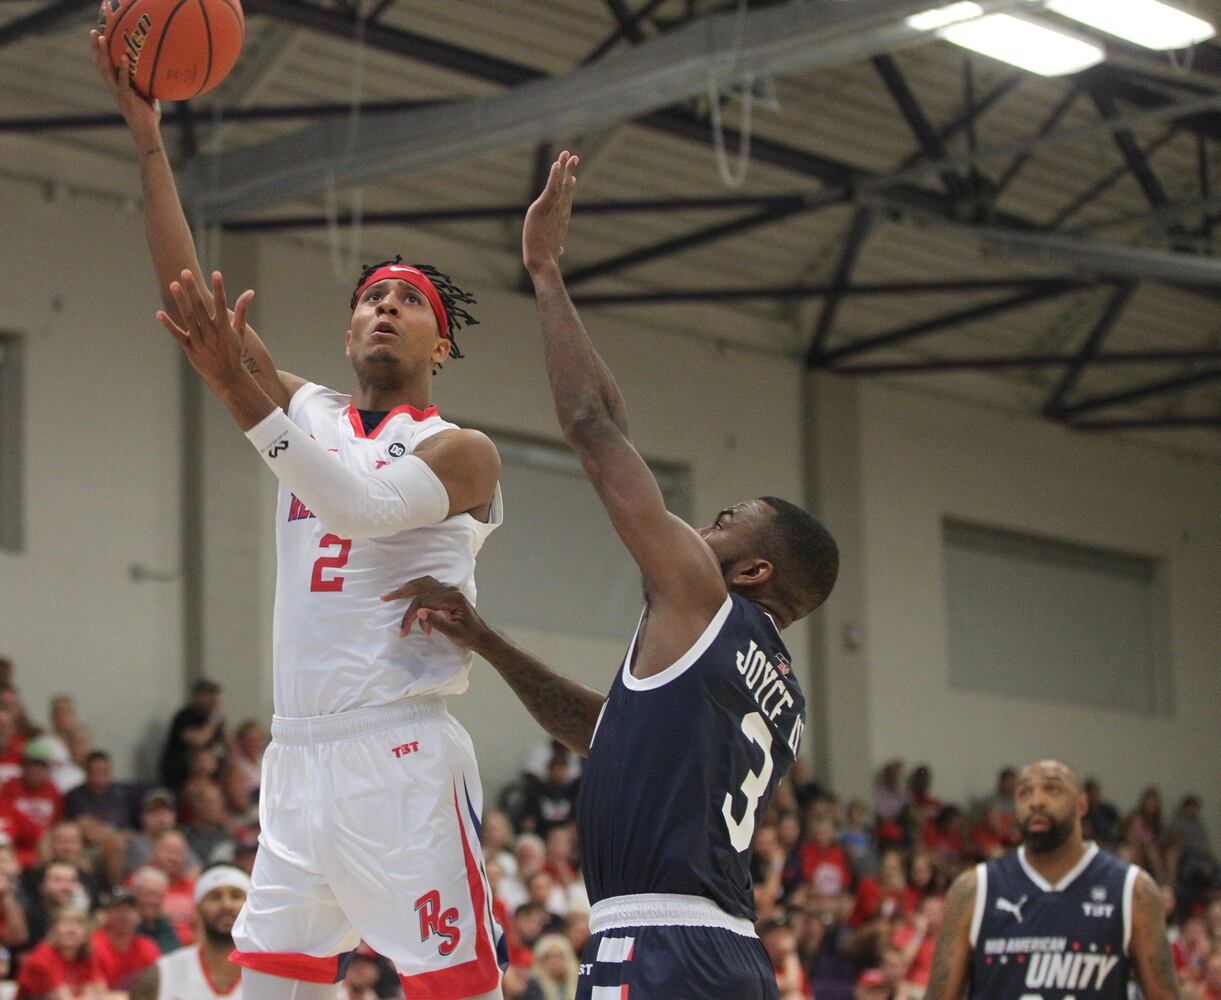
(1056, 920)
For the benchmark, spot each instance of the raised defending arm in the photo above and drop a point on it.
(568, 711)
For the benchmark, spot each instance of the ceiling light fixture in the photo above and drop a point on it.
(1151, 23)
(1027, 43)
(941, 17)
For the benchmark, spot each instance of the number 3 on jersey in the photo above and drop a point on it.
(742, 832)
(319, 585)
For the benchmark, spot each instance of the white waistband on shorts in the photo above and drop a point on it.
(357, 722)
(662, 909)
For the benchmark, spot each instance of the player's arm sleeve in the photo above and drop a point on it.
(405, 494)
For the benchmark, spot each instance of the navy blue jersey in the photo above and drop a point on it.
(1036, 941)
(682, 764)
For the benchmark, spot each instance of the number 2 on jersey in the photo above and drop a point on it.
(319, 585)
(742, 832)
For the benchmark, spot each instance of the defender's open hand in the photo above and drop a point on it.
(542, 237)
(440, 606)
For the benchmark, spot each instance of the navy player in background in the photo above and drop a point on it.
(1058, 919)
(705, 715)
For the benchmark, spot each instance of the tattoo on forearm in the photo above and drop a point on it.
(248, 362)
(1157, 958)
(567, 710)
(959, 902)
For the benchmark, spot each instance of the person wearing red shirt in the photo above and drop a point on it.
(887, 896)
(121, 953)
(62, 967)
(171, 856)
(1211, 987)
(916, 940)
(22, 834)
(824, 865)
(33, 793)
(11, 745)
(993, 835)
(780, 943)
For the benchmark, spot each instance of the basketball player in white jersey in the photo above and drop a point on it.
(203, 971)
(370, 792)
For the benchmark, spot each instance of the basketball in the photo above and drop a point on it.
(177, 49)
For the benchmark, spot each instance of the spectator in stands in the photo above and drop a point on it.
(62, 712)
(80, 745)
(887, 897)
(60, 887)
(99, 795)
(554, 972)
(63, 844)
(553, 802)
(496, 838)
(11, 745)
(150, 886)
(62, 966)
(992, 835)
(767, 872)
(522, 933)
(197, 725)
(1101, 820)
(916, 939)
(1197, 865)
(13, 930)
(922, 876)
(1143, 834)
(891, 967)
(242, 772)
(32, 793)
(541, 889)
(1192, 948)
(1211, 984)
(780, 943)
(856, 839)
(1002, 798)
(209, 834)
(920, 790)
(19, 834)
(360, 981)
(10, 701)
(121, 953)
(171, 856)
(889, 799)
(157, 815)
(823, 862)
(538, 761)
(203, 771)
(531, 856)
(576, 929)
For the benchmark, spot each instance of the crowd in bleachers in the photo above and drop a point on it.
(97, 871)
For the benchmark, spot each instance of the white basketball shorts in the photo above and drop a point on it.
(370, 829)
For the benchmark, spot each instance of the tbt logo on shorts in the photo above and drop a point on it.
(435, 921)
(404, 749)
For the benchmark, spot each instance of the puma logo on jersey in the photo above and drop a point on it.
(1014, 908)
(406, 748)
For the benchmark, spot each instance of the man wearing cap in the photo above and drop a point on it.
(32, 793)
(121, 953)
(158, 813)
(375, 488)
(203, 971)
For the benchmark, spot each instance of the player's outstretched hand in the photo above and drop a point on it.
(209, 335)
(543, 235)
(142, 115)
(440, 606)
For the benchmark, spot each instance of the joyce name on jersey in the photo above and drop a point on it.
(337, 644)
(1036, 941)
(683, 763)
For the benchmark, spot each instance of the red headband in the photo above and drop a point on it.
(417, 279)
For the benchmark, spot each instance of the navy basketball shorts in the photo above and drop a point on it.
(667, 947)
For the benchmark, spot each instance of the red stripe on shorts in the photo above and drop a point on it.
(290, 965)
(482, 973)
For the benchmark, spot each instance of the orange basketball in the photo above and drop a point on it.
(177, 48)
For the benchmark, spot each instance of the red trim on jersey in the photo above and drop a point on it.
(203, 966)
(482, 973)
(419, 416)
(290, 965)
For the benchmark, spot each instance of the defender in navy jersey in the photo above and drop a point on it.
(705, 714)
(1058, 919)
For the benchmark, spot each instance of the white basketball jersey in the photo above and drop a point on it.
(336, 643)
(182, 976)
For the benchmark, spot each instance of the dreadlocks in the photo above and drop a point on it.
(452, 297)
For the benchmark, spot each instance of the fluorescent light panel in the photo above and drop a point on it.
(1150, 23)
(941, 17)
(1026, 43)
